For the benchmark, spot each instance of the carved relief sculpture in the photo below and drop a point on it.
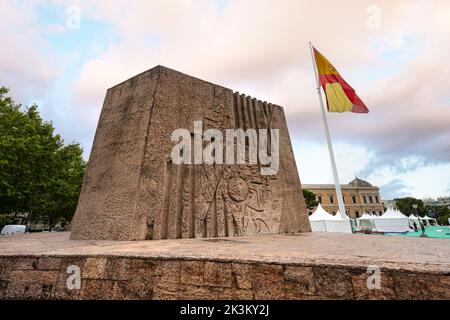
(133, 191)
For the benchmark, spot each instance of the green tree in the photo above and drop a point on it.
(38, 172)
(4, 220)
(406, 206)
(441, 213)
(310, 199)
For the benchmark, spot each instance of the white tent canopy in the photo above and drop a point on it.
(339, 224)
(415, 219)
(339, 217)
(425, 220)
(392, 221)
(432, 219)
(320, 214)
(366, 221)
(322, 221)
(428, 219)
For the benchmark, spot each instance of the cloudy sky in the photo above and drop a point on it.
(396, 54)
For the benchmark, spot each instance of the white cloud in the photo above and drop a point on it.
(314, 165)
(27, 64)
(422, 182)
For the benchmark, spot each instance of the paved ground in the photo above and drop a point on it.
(412, 254)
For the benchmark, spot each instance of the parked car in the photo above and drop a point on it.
(10, 230)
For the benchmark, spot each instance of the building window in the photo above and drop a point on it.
(365, 199)
(331, 199)
(353, 199)
(380, 213)
(376, 199)
(370, 199)
(319, 199)
(374, 213)
(357, 214)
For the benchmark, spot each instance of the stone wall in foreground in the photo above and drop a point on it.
(140, 278)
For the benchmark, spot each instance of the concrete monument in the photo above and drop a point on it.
(134, 191)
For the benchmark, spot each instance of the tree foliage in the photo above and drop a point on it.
(38, 172)
(4, 220)
(310, 199)
(406, 206)
(441, 213)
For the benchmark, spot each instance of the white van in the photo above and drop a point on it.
(11, 230)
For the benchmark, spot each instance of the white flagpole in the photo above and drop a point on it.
(327, 133)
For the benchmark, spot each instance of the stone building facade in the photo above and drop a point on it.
(359, 197)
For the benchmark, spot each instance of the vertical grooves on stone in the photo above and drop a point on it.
(205, 228)
(191, 199)
(244, 111)
(236, 105)
(266, 113)
(259, 115)
(271, 108)
(251, 112)
(215, 230)
(179, 202)
(235, 227)
(225, 217)
(267, 119)
(255, 113)
(269, 126)
(166, 199)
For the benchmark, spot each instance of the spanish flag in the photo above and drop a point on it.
(340, 96)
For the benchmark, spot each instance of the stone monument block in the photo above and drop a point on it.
(133, 190)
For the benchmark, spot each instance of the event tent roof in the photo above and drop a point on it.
(366, 216)
(320, 214)
(338, 216)
(393, 214)
(411, 216)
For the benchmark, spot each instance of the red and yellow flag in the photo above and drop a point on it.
(340, 96)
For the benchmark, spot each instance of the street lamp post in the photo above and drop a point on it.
(415, 206)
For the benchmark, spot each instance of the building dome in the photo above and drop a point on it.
(359, 183)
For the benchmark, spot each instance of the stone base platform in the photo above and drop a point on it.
(300, 266)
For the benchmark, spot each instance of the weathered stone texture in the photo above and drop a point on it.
(217, 275)
(167, 280)
(98, 290)
(267, 282)
(31, 284)
(299, 282)
(421, 286)
(192, 272)
(146, 279)
(242, 276)
(132, 191)
(333, 283)
(46, 263)
(95, 268)
(362, 292)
